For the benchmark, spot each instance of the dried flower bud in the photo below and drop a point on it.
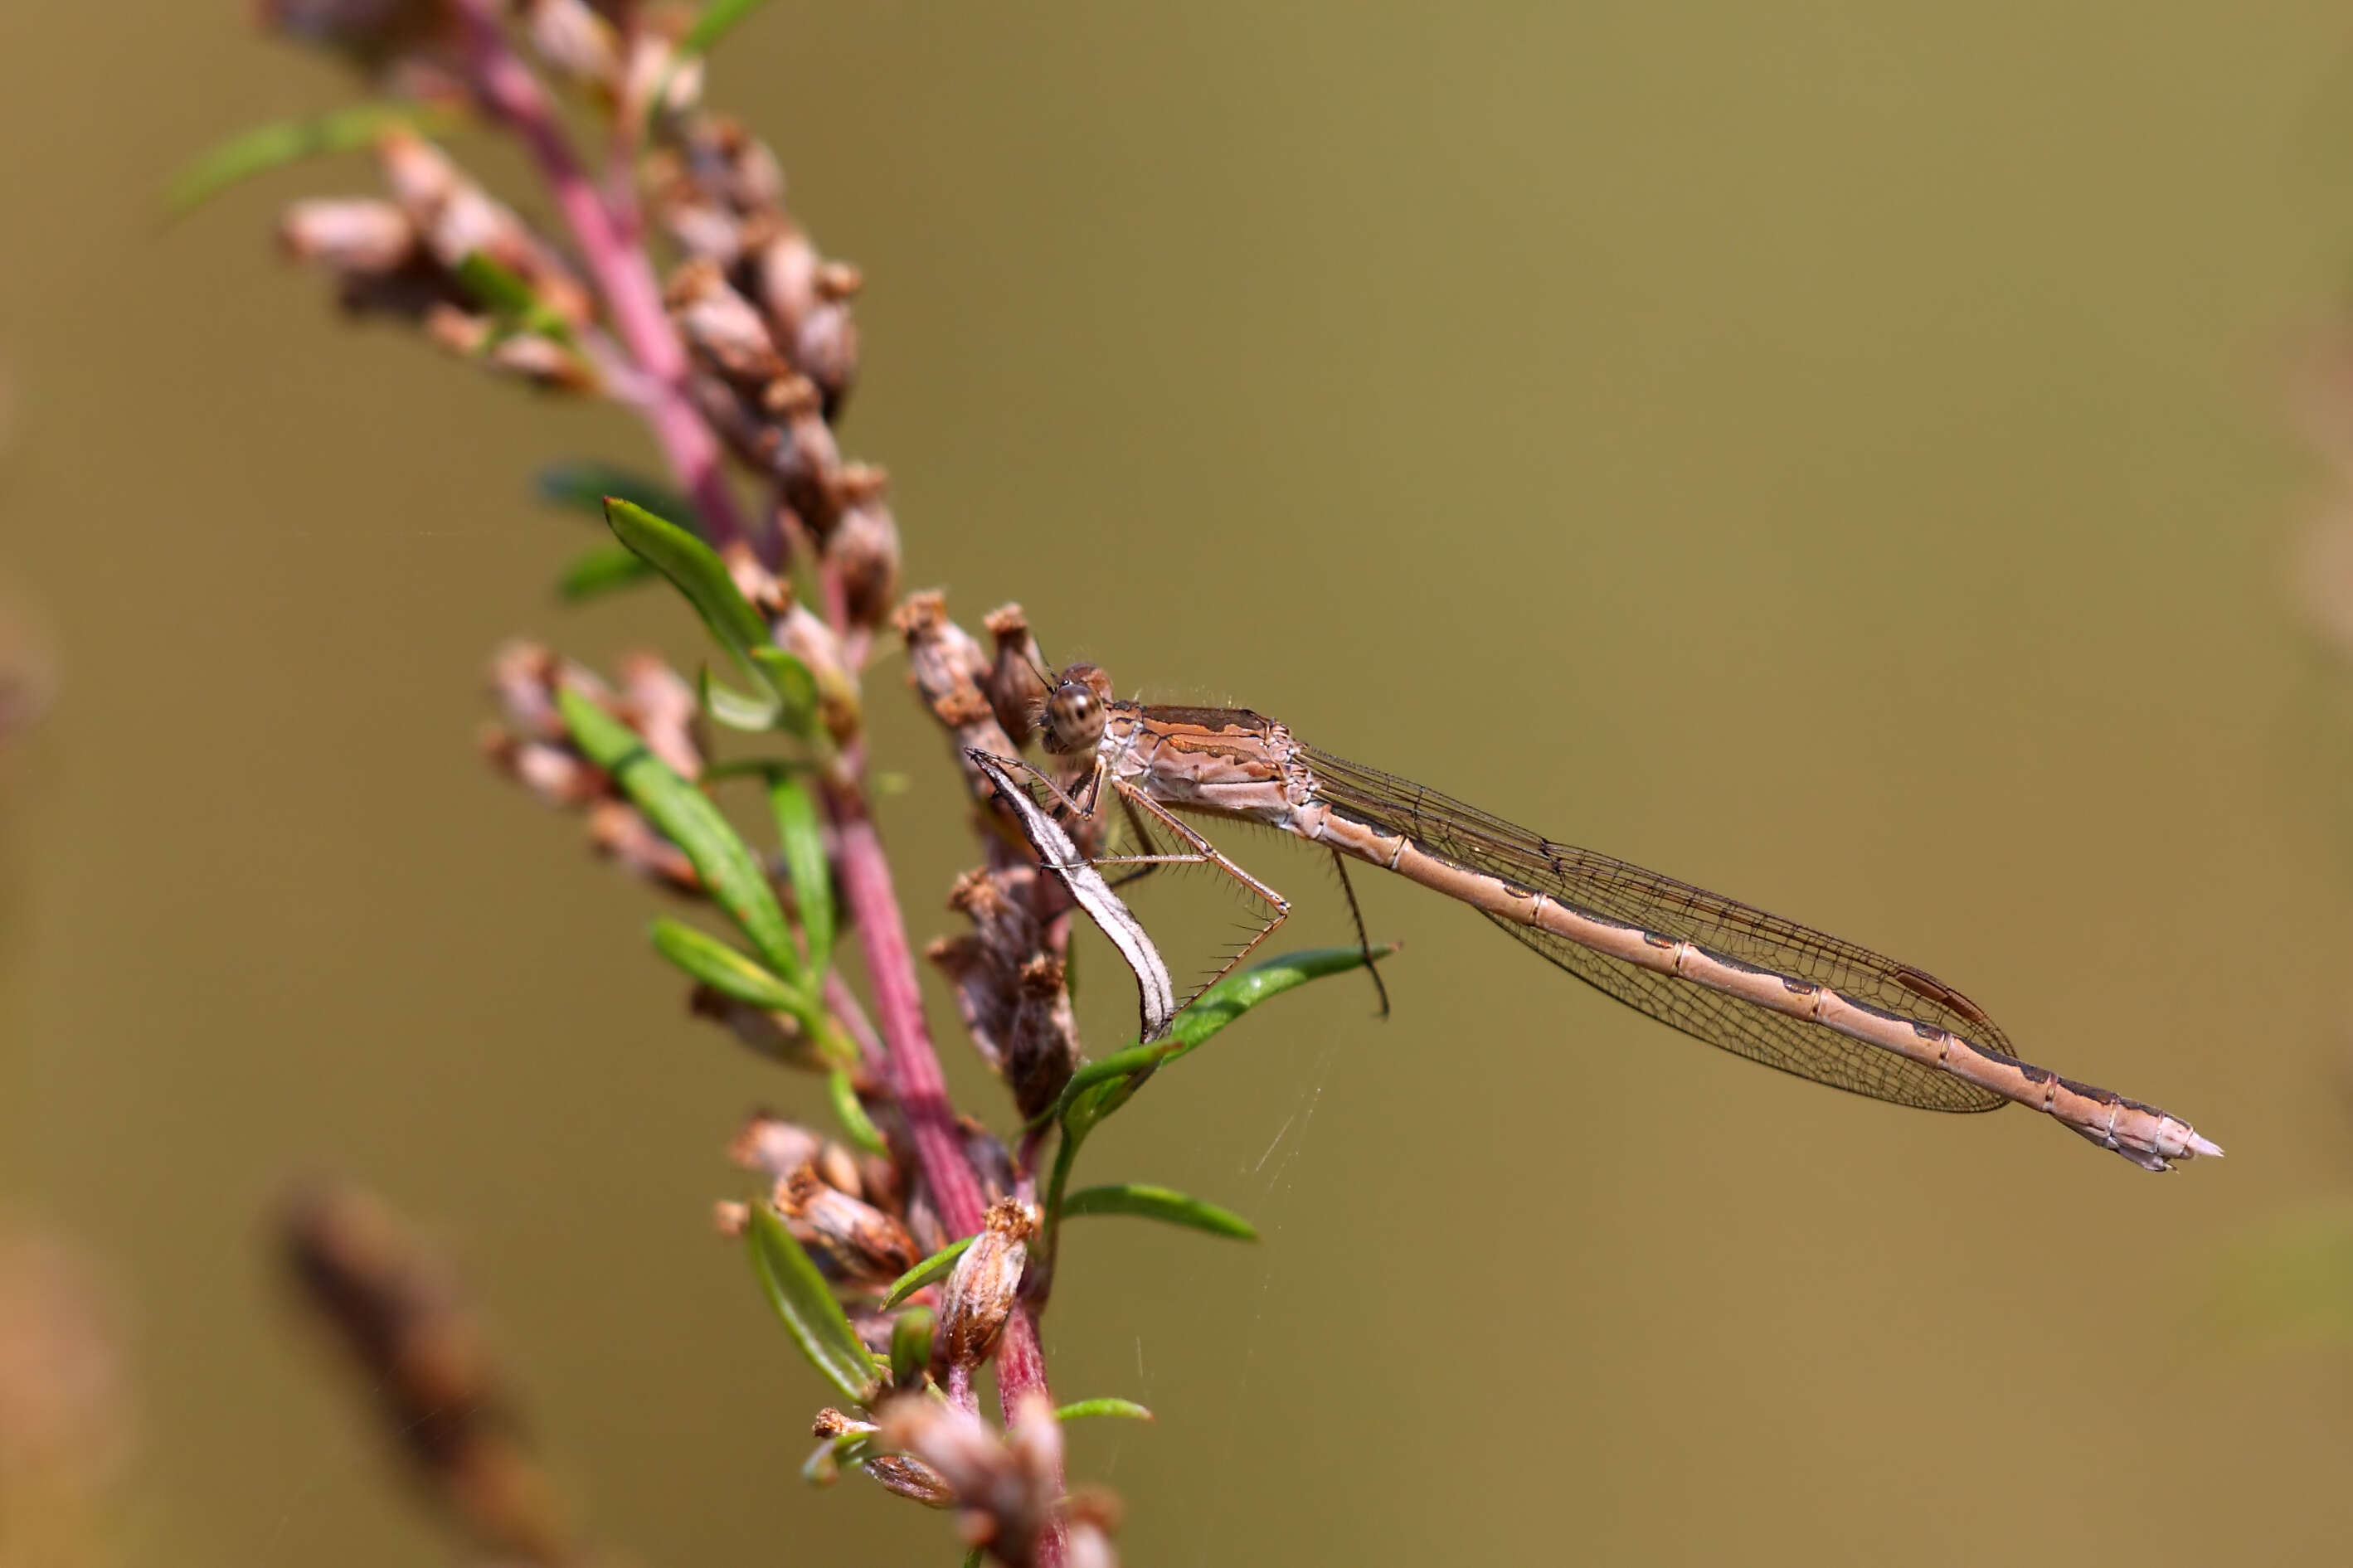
(359, 235)
(542, 362)
(1011, 988)
(823, 345)
(618, 831)
(700, 229)
(733, 164)
(1008, 1490)
(762, 589)
(807, 462)
(947, 668)
(884, 1186)
(751, 439)
(813, 642)
(922, 1217)
(854, 1242)
(980, 1290)
(574, 39)
(911, 1478)
(839, 1166)
(772, 1146)
(864, 546)
(966, 1455)
(556, 775)
(1016, 693)
(785, 268)
(654, 62)
(831, 1423)
(456, 218)
(725, 333)
(523, 677)
(661, 707)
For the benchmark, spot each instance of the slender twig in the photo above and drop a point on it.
(1022, 1369)
(911, 1063)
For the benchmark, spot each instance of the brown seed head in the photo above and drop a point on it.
(854, 1241)
(772, 1145)
(980, 1290)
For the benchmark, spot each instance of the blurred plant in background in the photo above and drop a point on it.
(911, 1246)
(2289, 1284)
(67, 1424)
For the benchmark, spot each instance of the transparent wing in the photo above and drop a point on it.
(1629, 895)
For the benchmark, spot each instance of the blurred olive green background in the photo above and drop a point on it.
(1832, 453)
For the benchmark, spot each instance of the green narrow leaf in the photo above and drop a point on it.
(805, 864)
(603, 570)
(793, 683)
(851, 1114)
(699, 574)
(267, 147)
(1239, 993)
(1127, 1409)
(1214, 1008)
(731, 973)
(1093, 1075)
(911, 1347)
(974, 1558)
(583, 485)
(1161, 1203)
(801, 1299)
(725, 863)
(932, 1268)
(717, 20)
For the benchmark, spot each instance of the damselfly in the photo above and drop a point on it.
(1741, 979)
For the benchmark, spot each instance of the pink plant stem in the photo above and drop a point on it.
(1020, 1370)
(624, 276)
(911, 1065)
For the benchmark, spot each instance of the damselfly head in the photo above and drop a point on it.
(1073, 720)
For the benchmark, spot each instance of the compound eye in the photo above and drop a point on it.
(1076, 717)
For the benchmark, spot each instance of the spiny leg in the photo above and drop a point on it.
(1143, 865)
(1363, 942)
(1207, 853)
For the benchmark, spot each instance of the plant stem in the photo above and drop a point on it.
(911, 1065)
(624, 276)
(1022, 1369)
